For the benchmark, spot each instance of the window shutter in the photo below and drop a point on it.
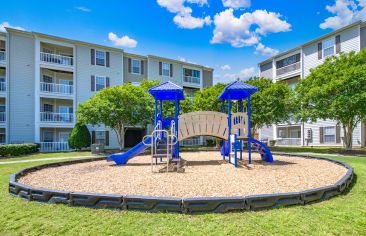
(338, 44)
(171, 70)
(142, 67)
(160, 68)
(92, 80)
(107, 59)
(321, 134)
(320, 51)
(92, 56)
(107, 138)
(107, 83)
(93, 137)
(2, 44)
(338, 134)
(129, 65)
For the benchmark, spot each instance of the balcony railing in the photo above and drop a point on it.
(192, 80)
(287, 69)
(56, 59)
(62, 89)
(2, 117)
(2, 56)
(57, 117)
(288, 142)
(2, 86)
(54, 146)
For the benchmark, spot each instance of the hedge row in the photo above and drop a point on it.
(18, 149)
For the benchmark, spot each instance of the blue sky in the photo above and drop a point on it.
(231, 36)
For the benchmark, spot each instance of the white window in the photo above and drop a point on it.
(166, 69)
(136, 66)
(329, 47)
(329, 134)
(100, 58)
(100, 137)
(100, 83)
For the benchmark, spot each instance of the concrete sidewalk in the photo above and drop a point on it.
(46, 159)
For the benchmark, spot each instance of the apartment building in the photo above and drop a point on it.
(294, 65)
(43, 78)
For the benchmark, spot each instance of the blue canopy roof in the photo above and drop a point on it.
(237, 90)
(167, 91)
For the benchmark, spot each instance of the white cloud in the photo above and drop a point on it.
(123, 41)
(236, 4)
(84, 9)
(345, 12)
(183, 17)
(225, 67)
(243, 74)
(266, 51)
(190, 22)
(247, 29)
(6, 24)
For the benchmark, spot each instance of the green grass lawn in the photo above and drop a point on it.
(343, 215)
(46, 155)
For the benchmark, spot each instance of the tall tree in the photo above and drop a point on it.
(335, 90)
(119, 107)
(272, 104)
(206, 99)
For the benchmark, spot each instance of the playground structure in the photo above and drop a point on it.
(208, 185)
(233, 128)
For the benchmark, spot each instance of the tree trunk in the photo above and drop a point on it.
(348, 131)
(120, 132)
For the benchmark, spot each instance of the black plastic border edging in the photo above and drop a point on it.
(179, 205)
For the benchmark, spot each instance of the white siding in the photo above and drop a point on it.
(153, 72)
(266, 133)
(21, 89)
(315, 127)
(84, 71)
(266, 70)
(350, 41)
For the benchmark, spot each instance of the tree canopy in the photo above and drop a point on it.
(119, 107)
(206, 99)
(272, 104)
(335, 90)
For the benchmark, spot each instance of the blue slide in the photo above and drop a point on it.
(263, 150)
(122, 157)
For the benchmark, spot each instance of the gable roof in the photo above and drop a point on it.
(237, 90)
(167, 91)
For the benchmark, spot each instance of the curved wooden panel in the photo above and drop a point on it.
(202, 123)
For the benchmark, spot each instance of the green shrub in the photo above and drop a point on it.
(272, 143)
(79, 137)
(18, 149)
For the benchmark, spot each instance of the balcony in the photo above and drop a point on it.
(2, 117)
(288, 142)
(288, 69)
(2, 86)
(54, 146)
(56, 59)
(57, 89)
(2, 56)
(53, 117)
(192, 80)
